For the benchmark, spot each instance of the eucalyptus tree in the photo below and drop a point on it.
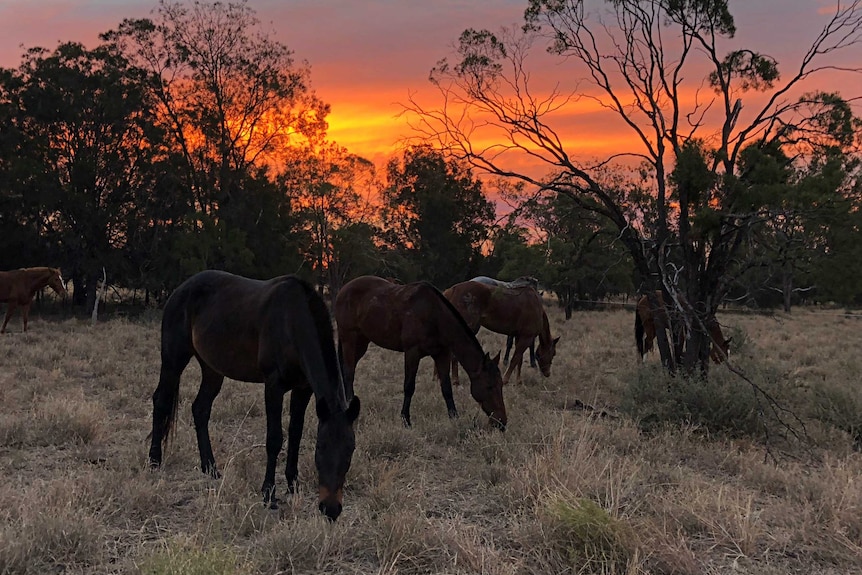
(691, 98)
(436, 217)
(332, 190)
(231, 98)
(84, 145)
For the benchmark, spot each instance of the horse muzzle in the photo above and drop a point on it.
(496, 422)
(330, 503)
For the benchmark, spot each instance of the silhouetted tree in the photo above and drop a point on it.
(436, 217)
(639, 62)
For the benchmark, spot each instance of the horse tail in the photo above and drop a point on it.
(639, 334)
(175, 355)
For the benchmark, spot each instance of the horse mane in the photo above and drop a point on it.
(323, 327)
(545, 334)
(458, 317)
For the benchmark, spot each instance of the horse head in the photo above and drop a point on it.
(545, 355)
(332, 455)
(723, 351)
(55, 281)
(723, 345)
(487, 389)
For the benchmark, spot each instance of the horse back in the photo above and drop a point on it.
(7, 285)
(18, 285)
(514, 312)
(221, 318)
(393, 316)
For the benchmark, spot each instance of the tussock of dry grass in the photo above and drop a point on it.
(564, 490)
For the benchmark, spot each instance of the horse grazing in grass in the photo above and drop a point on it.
(276, 332)
(18, 287)
(417, 320)
(646, 318)
(520, 282)
(511, 311)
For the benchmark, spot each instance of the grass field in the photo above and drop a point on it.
(644, 483)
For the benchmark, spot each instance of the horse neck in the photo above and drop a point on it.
(461, 340)
(312, 351)
(37, 278)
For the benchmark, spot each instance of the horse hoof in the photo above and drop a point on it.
(453, 414)
(406, 422)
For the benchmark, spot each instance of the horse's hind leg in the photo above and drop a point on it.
(10, 307)
(533, 352)
(350, 350)
(299, 399)
(442, 362)
(211, 382)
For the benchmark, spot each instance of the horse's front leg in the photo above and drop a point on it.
(25, 313)
(411, 368)
(273, 403)
(521, 344)
(442, 362)
(299, 398)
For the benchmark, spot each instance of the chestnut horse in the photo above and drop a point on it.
(417, 320)
(515, 283)
(510, 311)
(17, 288)
(645, 326)
(276, 332)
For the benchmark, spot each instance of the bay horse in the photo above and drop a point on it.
(645, 329)
(418, 321)
(277, 332)
(511, 311)
(514, 284)
(18, 287)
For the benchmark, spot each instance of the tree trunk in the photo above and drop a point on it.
(662, 326)
(787, 288)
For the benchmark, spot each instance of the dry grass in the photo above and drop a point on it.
(562, 491)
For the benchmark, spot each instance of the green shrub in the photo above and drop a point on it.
(183, 558)
(587, 534)
(723, 403)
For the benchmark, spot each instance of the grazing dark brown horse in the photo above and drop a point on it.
(514, 284)
(518, 312)
(645, 329)
(276, 332)
(417, 320)
(17, 288)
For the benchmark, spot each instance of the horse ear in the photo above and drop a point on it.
(728, 340)
(495, 359)
(353, 409)
(556, 340)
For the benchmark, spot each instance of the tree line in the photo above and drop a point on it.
(194, 140)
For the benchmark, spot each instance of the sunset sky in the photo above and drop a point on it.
(369, 56)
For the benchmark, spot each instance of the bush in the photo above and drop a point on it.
(587, 534)
(723, 403)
